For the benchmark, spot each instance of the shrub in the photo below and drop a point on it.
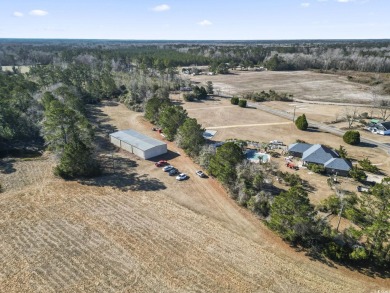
(368, 166)
(301, 122)
(352, 137)
(242, 103)
(316, 168)
(342, 152)
(189, 97)
(234, 100)
(357, 174)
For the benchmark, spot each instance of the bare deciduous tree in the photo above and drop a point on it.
(382, 104)
(351, 114)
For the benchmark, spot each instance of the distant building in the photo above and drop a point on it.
(139, 144)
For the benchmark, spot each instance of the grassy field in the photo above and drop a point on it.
(135, 229)
(306, 85)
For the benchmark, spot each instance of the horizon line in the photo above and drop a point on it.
(204, 40)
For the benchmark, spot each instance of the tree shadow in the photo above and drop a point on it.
(315, 255)
(102, 128)
(314, 129)
(367, 145)
(125, 181)
(7, 166)
(117, 174)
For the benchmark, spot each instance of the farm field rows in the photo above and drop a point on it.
(306, 85)
(139, 230)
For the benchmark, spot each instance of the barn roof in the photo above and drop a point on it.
(318, 154)
(136, 139)
(338, 164)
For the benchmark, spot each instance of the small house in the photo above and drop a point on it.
(321, 155)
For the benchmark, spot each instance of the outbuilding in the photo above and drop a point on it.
(139, 144)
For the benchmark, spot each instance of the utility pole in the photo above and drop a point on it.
(294, 114)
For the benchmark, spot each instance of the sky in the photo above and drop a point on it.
(195, 19)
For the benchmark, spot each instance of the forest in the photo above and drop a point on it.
(360, 55)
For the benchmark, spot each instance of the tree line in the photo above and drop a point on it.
(364, 55)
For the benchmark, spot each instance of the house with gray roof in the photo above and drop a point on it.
(321, 155)
(297, 149)
(318, 154)
(338, 166)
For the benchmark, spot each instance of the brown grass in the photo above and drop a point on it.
(306, 85)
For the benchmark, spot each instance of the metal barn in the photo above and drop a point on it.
(136, 143)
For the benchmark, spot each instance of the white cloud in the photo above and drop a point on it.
(205, 22)
(305, 4)
(18, 14)
(162, 7)
(345, 1)
(38, 12)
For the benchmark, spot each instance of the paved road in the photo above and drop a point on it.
(318, 125)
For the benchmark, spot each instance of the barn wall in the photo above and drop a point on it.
(115, 141)
(156, 151)
(138, 152)
(150, 153)
(127, 147)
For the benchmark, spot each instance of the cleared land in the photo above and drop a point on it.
(256, 125)
(304, 85)
(139, 230)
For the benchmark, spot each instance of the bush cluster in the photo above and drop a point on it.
(352, 137)
(234, 100)
(301, 122)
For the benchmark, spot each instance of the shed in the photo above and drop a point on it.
(139, 144)
(339, 166)
(297, 149)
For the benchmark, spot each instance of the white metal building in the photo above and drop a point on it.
(136, 143)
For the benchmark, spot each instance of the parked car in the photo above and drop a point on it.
(161, 163)
(168, 168)
(200, 174)
(173, 172)
(181, 177)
